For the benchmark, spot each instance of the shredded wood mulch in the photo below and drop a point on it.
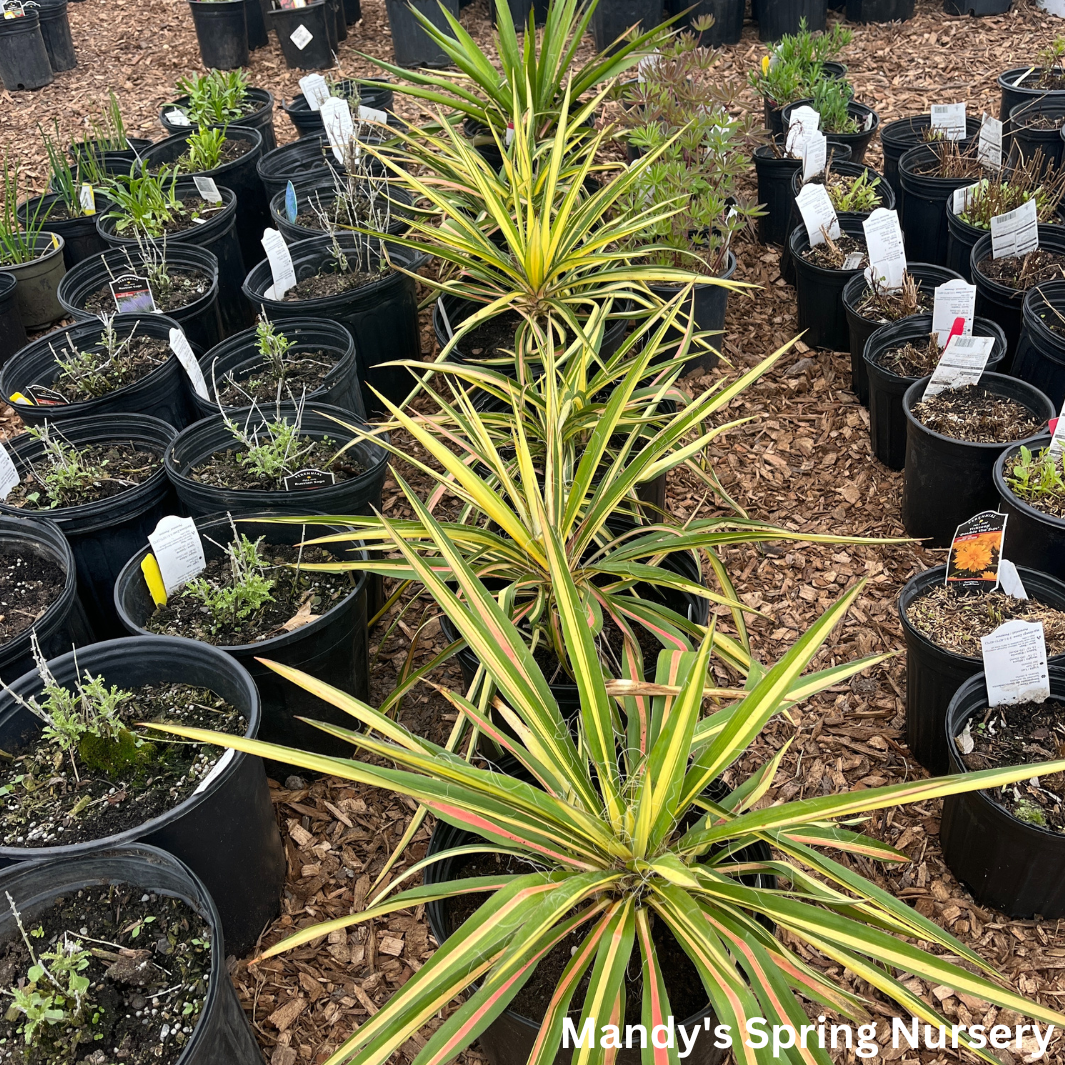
(804, 461)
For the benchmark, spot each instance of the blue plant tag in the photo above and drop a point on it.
(290, 203)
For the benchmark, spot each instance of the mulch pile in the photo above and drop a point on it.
(804, 461)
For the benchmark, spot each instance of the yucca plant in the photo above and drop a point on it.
(538, 70)
(618, 832)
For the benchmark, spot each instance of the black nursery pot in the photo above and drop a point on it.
(879, 10)
(357, 495)
(999, 302)
(899, 136)
(1013, 94)
(819, 292)
(924, 200)
(308, 123)
(240, 175)
(240, 356)
(200, 320)
(1040, 355)
(976, 7)
(217, 235)
(333, 648)
(887, 421)
(23, 56)
(222, 32)
(323, 194)
(868, 122)
(934, 674)
(961, 239)
(222, 1026)
(947, 481)
(382, 316)
(1007, 864)
(104, 534)
(861, 329)
(12, 331)
(253, 15)
(306, 34)
(262, 118)
(309, 160)
(64, 624)
(778, 17)
(775, 175)
(412, 46)
(164, 393)
(225, 831)
(727, 16)
(1037, 539)
(610, 21)
(1027, 135)
(112, 160)
(55, 29)
(80, 237)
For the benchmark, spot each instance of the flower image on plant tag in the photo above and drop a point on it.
(976, 552)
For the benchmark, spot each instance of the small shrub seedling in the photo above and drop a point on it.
(831, 97)
(1036, 476)
(857, 194)
(273, 450)
(205, 150)
(795, 65)
(68, 472)
(247, 591)
(215, 99)
(273, 347)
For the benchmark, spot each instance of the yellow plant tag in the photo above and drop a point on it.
(154, 579)
(18, 397)
(55, 241)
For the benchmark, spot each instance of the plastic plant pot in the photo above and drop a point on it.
(23, 56)
(879, 10)
(322, 196)
(961, 239)
(37, 280)
(308, 160)
(221, 1026)
(1037, 539)
(1007, 864)
(778, 17)
(774, 173)
(240, 356)
(55, 31)
(222, 32)
(308, 123)
(727, 16)
(899, 136)
(998, 301)
(1040, 355)
(1017, 86)
(305, 34)
(411, 45)
(113, 160)
(200, 320)
(887, 422)
(868, 123)
(924, 199)
(261, 118)
(241, 175)
(1029, 132)
(352, 11)
(164, 393)
(256, 22)
(381, 316)
(104, 534)
(332, 648)
(225, 831)
(947, 481)
(218, 235)
(341, 23)
(819, 291)
(63, 624)
(613, 20)
(12, 331)
(80, 238)
(934, 674)
(861, 329)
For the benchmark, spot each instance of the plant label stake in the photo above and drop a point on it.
(371, 114)
(315, 90)
(803, 120)
(301, 36)
(339, 127)
(963, 197)
(133, 295)
(953, 300)
(818, 214)
(308, 478)
(814, 152)
(989, 150)
(1016, 232)
(962, 363)
(290, 203)
(281, 268)
(447, 321)
(1009, 580)
(178, 118)
(1015, 664)
(178, 551)
(87, 199)
(9, 476)
(975, 553)
(206, 187)
(179, 345)
(949, 119)
(887, 253)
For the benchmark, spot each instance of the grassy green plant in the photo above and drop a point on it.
(19, 240)
(829, 99)
(204, 150)
(66, 179)
(246, 592)
(146, 203)
(216, 98)
(1024, 181)
(68, 472)
(857, 194)
(109, 132)
(795, 64)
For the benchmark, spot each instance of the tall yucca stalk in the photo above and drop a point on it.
(601, 849)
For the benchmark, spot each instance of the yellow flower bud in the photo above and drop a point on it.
(765, 64)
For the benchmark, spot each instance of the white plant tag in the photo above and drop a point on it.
(814, 154)
(1009, 580)
(87, 199)
(1016, 232)
(339, 128)
(803, 120)
(1015, 664)
(281, 268)
(206, 187)
(853, 261)
(885, 247)
(963, 197)
(443, 314)
(950, 120)
(178, 550)
(818, 214)
(989, 150)
(179, 345)
(962, 363)
(314, 89)
(178, 118)
(647, 65)
(1057, 440)
(371, 114)
(9, 476)
(301, 36)
(954, 299)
